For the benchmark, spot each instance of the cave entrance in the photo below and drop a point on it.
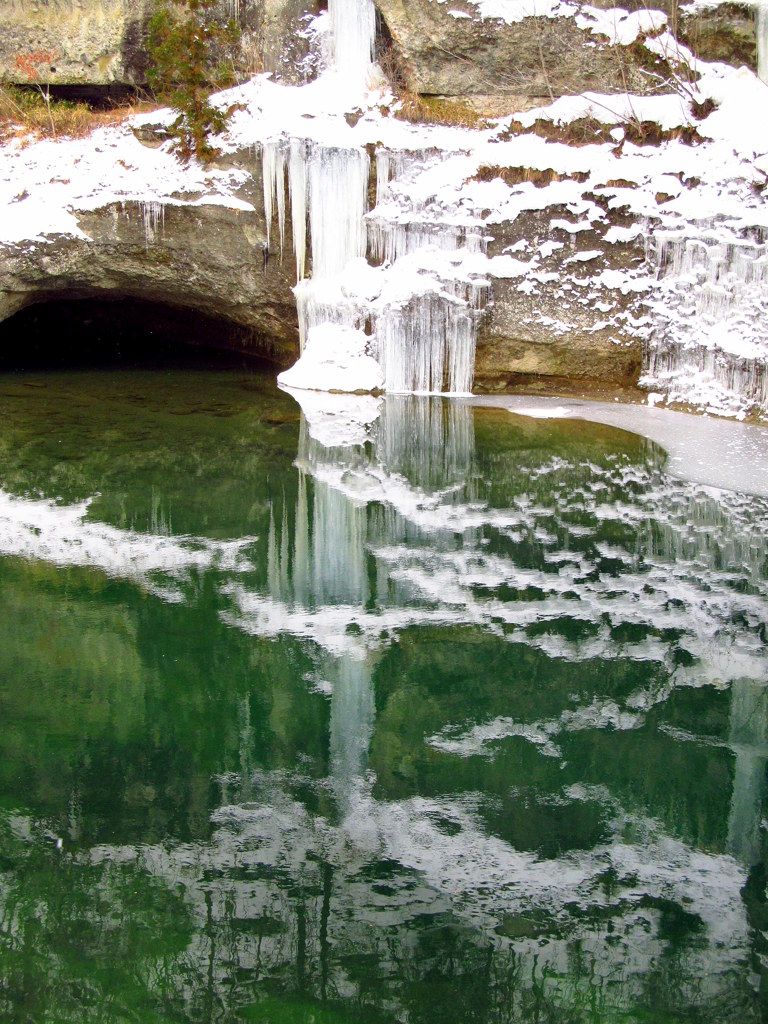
(109, 333)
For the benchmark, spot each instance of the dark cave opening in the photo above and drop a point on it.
(113, 332)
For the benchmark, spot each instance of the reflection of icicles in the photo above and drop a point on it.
(273, 171)
(711, 305)
(749, 725)
(353, 24)
(302, 545)
(698, 529)
(338, 549)
(153, 217)
(430, 442)
(329, 563)
(353, 715)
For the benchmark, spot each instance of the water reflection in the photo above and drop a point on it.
(469, 723)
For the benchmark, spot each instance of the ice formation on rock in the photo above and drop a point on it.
(710, 309)
(762, 41)
(353, 26)
(153, 219)
(414, 301)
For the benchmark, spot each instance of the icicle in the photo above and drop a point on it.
(297, 180)
(273, 172)
(390, 164)
(338, 189)
(153, 216)
(391, 239)
(353, 25)
(710, 308)
(429, 346)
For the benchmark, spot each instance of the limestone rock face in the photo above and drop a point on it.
(206, 258)
(103, 42)
(563, 321)
(94, 42)
(440, 52)
(213, 260)
(724, 33)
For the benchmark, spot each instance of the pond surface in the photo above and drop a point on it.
(374, 711)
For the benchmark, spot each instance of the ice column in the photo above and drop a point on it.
(428, 346)
(762, 41)
(337, 188)
(428, 313)
(338, 184)
(297, 179)
(353, 24)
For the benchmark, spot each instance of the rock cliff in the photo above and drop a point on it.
(606, 227)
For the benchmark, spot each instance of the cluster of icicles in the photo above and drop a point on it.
(414, 325)
(711, 307)
(421, 324)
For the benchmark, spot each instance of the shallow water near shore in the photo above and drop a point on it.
(372, 710)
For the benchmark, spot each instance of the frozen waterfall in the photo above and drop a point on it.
(393, 279)
(762, 40)
(353, 26)
(390, 302)
(710, 306)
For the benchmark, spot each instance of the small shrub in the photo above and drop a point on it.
(191, 55)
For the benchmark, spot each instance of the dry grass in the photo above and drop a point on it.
(420, 109)
(433, 110)
(24, 112)
(587, 131)
(517, 175)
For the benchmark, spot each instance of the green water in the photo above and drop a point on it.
(399, 712)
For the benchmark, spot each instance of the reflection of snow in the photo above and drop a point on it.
(338, 421)
(62, 535)
(392, 531)
(268, 860)
(601, 714)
